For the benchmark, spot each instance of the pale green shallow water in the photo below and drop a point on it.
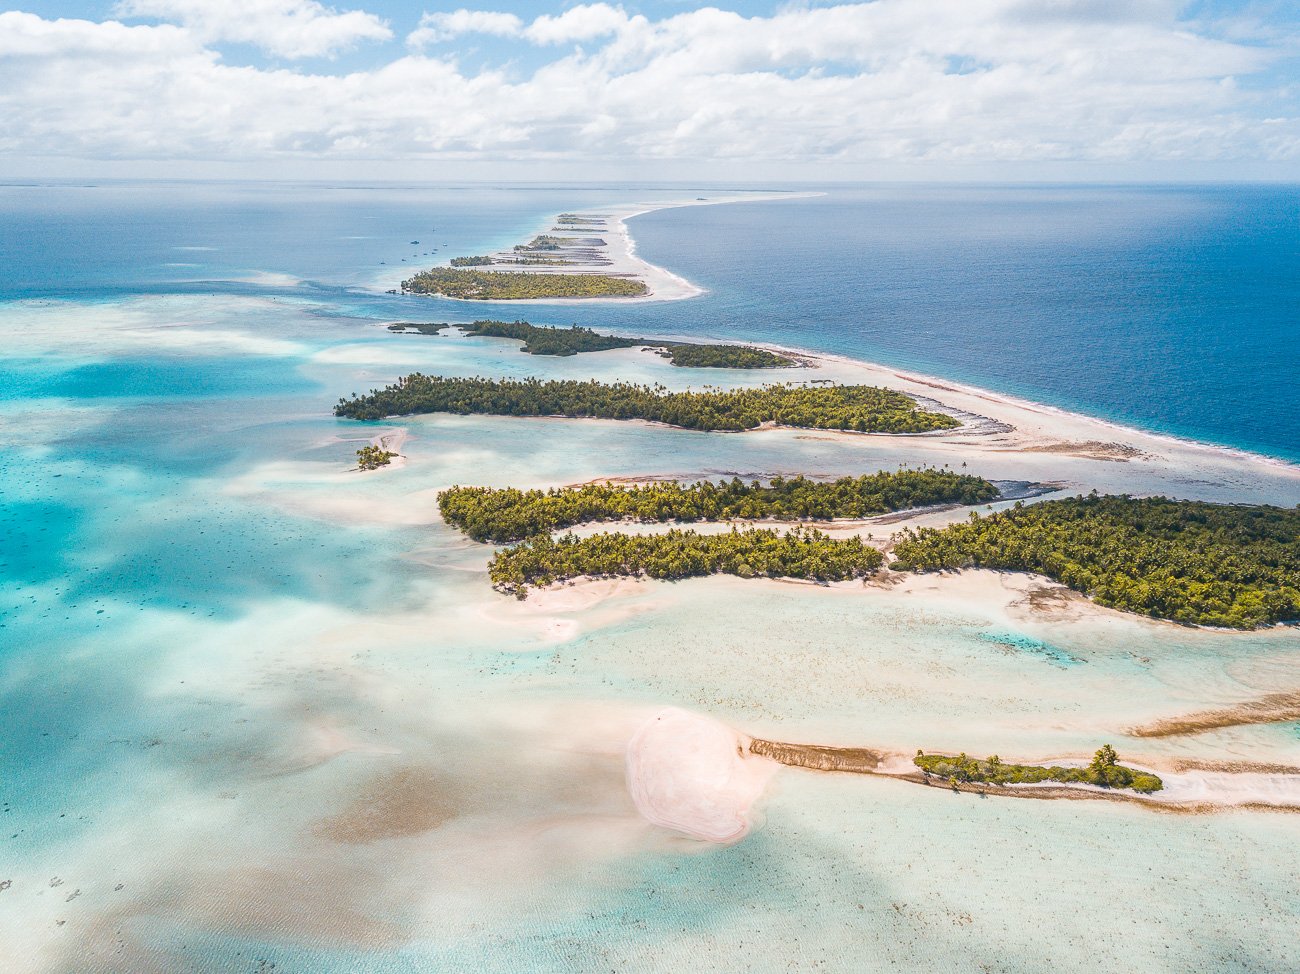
(276, 703)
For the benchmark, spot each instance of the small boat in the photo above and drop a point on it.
(415, 241)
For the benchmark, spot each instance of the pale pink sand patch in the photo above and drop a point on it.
(695, 776)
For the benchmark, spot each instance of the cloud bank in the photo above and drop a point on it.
(288, 28)
(922, 81)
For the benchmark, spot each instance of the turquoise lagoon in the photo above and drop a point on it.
(256, 708)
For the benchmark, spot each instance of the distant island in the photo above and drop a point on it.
(851, 408)
(801, 553)
(572, 220)
(1235, 566)
(549, 340)
(538, 340)
(508, 514)
(475, 285)
(726, 357)
(546, 241)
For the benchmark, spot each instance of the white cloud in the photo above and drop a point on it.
(438, 27)
(25, 35)
(581, 23)
(289, 28)
(905, 81)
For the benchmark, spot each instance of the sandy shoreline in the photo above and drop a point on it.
(1053, 429)
(1032, 427)
(1002, 438)
(618, 257)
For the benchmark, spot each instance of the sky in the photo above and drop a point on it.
(669, 90)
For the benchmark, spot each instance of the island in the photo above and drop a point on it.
(725, 357)
(574, 340)
(538, 340)
(1235, 566)
(756, 552)
(1104, 771)
(374, 457)
(508, 514)
(1231, 566)
(454, 282)
(864, 409)
(546, 241)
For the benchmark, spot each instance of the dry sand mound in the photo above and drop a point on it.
(695, 776)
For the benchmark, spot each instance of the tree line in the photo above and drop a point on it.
(542, 340)
(860, 408)
(549, 340)
(725, 357)
(1104, 770)
(801, 553)
(1187, 561)
(509, 514)
(374, 457)
(456, 282)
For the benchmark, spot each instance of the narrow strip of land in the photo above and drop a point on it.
(507, 514)
(1273, 708)
(583, 256)
(575, 340)
(853, 408)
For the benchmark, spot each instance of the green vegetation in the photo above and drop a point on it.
(544, 241)
(373, 457)
(682, 554)
(726, 357)
(474, 285)
(861, 408)
(419, 327)
(509, 514)
(569, 219)
(550, 341)
(538, 340)
(1187, 561)
(1105, 770)
(546, 340)
(470, 261)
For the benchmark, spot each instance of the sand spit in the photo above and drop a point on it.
(1013, 438)
(695, 776)
(1091, 450)
(1274, 708)
(390, 442)
(1188, 790)
(603, 245)
(854, 760)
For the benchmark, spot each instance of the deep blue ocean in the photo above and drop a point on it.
(1176, 309)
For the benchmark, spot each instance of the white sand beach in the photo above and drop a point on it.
(615, 255)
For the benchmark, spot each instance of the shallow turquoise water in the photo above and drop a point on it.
(217, 642)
